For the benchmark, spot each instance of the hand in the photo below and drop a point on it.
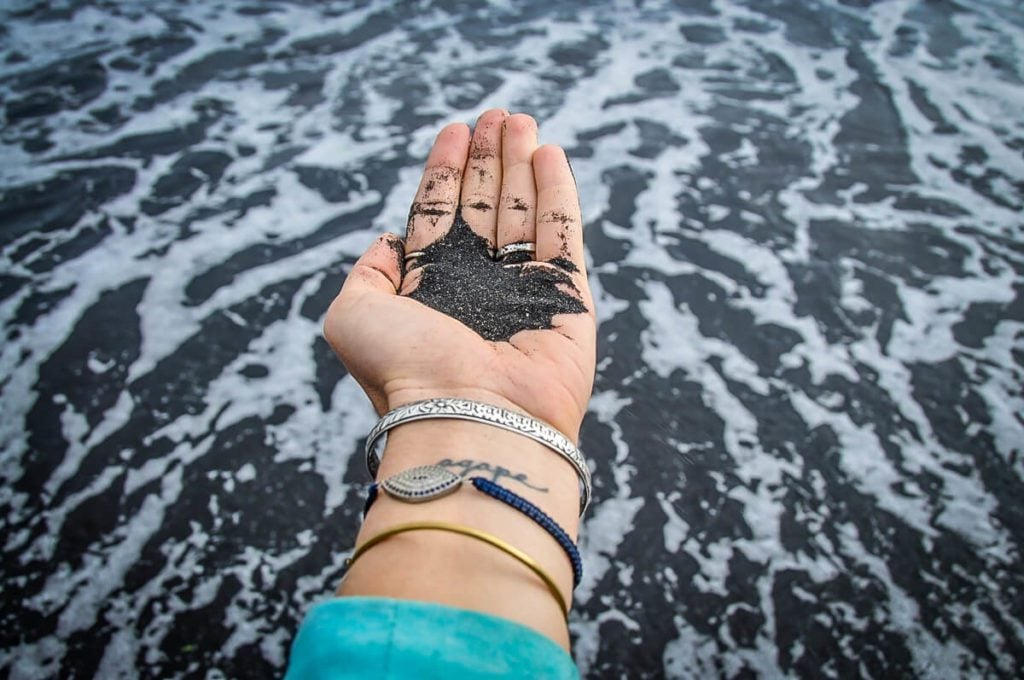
(457, 323)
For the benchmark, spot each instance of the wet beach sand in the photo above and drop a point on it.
(804, 236)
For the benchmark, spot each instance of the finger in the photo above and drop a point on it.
(481, 184)
(559, 222)
(379, 269)
(412, 280)
(518, 205)
(433, 209)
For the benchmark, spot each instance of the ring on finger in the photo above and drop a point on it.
(525, 247)
(412, 258)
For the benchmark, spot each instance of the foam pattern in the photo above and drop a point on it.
(805, 240)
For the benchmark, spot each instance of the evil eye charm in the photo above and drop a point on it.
(421, 484)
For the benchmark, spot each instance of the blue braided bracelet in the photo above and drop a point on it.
(524, 506)
(537, 515)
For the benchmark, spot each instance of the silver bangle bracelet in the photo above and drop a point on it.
(464, 409)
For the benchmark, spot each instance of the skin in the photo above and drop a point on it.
(509, 189)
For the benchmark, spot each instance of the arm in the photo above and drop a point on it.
(456, 323)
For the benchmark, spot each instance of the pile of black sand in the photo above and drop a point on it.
(494, 299)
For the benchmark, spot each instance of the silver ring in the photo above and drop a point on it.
(413, 255)
(521, 247)
(464, 409)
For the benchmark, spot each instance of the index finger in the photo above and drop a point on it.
(433, 209)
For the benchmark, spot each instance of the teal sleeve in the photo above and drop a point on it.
(372, 637)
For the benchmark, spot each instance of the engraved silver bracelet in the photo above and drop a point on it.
(479, 412)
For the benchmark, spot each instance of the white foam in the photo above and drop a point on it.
(966, 89)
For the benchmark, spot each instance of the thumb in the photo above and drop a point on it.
(379, 269)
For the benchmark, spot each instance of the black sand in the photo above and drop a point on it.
(494, 299)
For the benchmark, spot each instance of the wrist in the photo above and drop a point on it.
(448, 569)
(565, 423)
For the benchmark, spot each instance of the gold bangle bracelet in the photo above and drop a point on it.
(501, 545)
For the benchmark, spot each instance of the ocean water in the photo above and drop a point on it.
(804, 225)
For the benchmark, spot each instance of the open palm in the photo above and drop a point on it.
(451, 321)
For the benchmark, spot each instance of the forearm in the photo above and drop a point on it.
(459, 571)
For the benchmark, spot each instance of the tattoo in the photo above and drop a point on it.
(497, 472)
